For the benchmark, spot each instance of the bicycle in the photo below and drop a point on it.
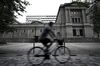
(36, 55)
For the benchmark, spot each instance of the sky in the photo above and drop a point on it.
(42, 7)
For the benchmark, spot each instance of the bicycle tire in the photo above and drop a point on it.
(31, 55)
(64, 57)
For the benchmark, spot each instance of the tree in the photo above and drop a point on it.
(96, 17)
(8, 8)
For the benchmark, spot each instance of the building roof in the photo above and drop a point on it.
(36, 22)
(41, 18)
(75, 4)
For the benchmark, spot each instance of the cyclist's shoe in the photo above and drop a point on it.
(47, 56)
(46, 50)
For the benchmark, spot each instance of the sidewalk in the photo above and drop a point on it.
(80, 60)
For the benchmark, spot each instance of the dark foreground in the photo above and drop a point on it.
(74, 61)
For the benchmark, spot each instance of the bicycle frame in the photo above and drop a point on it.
(55, 47)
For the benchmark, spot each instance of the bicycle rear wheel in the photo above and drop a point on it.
(62, 54)
(35, 55)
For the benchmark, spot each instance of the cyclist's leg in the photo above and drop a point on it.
(45, 43)
(49, 43)
(60, 42)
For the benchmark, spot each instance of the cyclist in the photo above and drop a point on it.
(47, 36)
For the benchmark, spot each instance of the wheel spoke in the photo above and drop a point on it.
(36, 55)
(62, 54)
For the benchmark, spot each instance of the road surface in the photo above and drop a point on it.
(76, 48)
(83, 54)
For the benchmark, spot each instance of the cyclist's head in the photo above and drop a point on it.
(50, 23)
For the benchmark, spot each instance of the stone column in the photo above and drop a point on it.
(66, 15)
(83, 16)
(69, 32)
(28, 32)
(70, 16)
(88, 32)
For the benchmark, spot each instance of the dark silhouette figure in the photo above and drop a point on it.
(47, 37)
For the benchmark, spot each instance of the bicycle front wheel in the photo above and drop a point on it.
(35, 55)
(62, 54)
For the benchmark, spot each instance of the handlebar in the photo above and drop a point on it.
(58, 40)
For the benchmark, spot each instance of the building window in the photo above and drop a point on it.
(79, 20)
(76, 11)
(76, 20)
(73, 20)
(78, 32)
(74, 32)
(81, 32)
(24, 31)
(40, 30)
(32, 30)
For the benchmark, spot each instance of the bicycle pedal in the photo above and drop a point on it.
(46, 58)
(55, 55)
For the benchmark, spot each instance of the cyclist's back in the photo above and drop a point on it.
(47, 34)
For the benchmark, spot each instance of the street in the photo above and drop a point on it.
(82, 54)
(76, 48)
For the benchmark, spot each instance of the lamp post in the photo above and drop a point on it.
(35, 30)
(34, 36)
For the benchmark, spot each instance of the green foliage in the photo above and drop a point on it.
(8, 8)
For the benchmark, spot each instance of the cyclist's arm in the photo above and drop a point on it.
(52, 34)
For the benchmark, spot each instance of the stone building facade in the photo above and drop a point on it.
(23, 32)
(26, 32)
(73, 22)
